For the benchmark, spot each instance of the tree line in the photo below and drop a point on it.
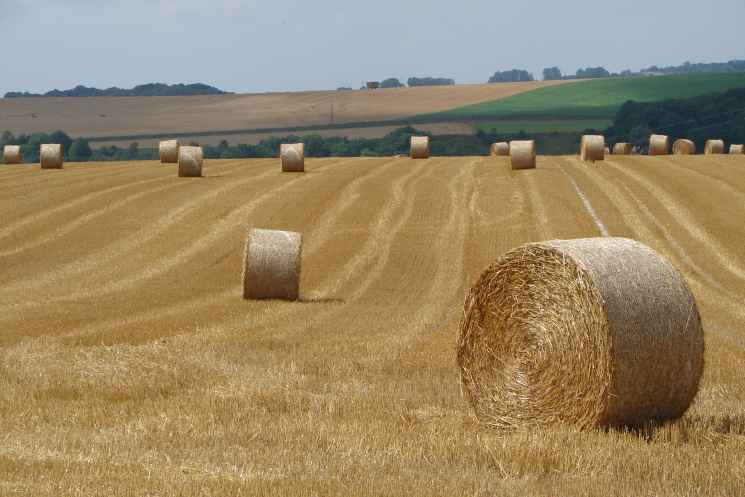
(146, 90)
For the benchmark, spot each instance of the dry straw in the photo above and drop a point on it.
(590, 332)
(168, 151)
(272, 265)
(659, 144)
(592, 147)
(292, 156)
(522, 154)
(622, 149)
(12, 154)
(684, 147)
(500, 149)
(714, 147)
(190, 161)
(737, 149)
(420, 147)
(50, 155)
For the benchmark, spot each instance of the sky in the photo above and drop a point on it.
(301, 45)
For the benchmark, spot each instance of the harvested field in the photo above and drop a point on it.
(131, 364)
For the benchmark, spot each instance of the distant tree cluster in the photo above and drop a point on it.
(391, 83)
(513, 75)
(146, 90)
(430, 81)
(700, 68)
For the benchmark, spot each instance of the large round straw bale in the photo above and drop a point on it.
(622, 148)
(272, 265)
(190, 161)
(659, 144)
(420, 147)
(12, 154)
(714, 147)
(168, 150)
(684, 147)
(591, 332)
(500, 149)
(737, 149)
(522, 154)
(592, 147)
(50, 155)
(293, 157)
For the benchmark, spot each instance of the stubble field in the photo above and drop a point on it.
(131, 365)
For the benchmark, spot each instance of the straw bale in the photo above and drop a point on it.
(684, 147)
(12, 154)
(272, 265)
(622, 148)
(589, 332)
(606, 150)
(500, 149)
(420, 147)
(714, 147)
(522, 154)
(292, 156)
(50, 155)
(592, 147)
(659, 144)
(190, 161)
(168, 150)
(737, 149)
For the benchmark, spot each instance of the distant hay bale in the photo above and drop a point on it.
(272, 265)
(659, 144)
(292, 156)
(500, 149)
(622, 149)
(592, 147)
(714, 147)
(168, 151)
(190, 161)
(590, 332)
(419, 147)
(684, 147)
(522, 154)
(737, 149)
(12, 154)
(606, 151)
(50, 155)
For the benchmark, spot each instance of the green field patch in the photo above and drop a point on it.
(542, 126)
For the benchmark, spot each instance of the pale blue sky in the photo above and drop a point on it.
(294, 45)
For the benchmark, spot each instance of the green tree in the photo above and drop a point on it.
(63, 139)
(134, 151)
(80, 150)
(551, 73)
(511, 76)
(391, 83)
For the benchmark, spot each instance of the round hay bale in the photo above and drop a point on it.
(272, 265)
(590, 332)
(190, 161)
(522, 154)
(293, 157)
(12, 154)
(420, 147)
(168, 150)
(737, 149)
(50, 155)
(714, 147)
(622, 149)
(500, 149)
(606, 151)
(659, 144)
(684, 147)
(592, 147)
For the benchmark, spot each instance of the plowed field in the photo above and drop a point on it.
(131, 365)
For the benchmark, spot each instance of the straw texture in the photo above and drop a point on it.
(500, 149)
(292, 156)
(737, 149)
(714, 147)
(592, 147)
(168, 151)
(272, 265)
(590, 332)
(659, 144)
(622, 149)
(420, 147)
(684, 147)
(522, 154)
(12, 154)
(190, 161)
(50, 155)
